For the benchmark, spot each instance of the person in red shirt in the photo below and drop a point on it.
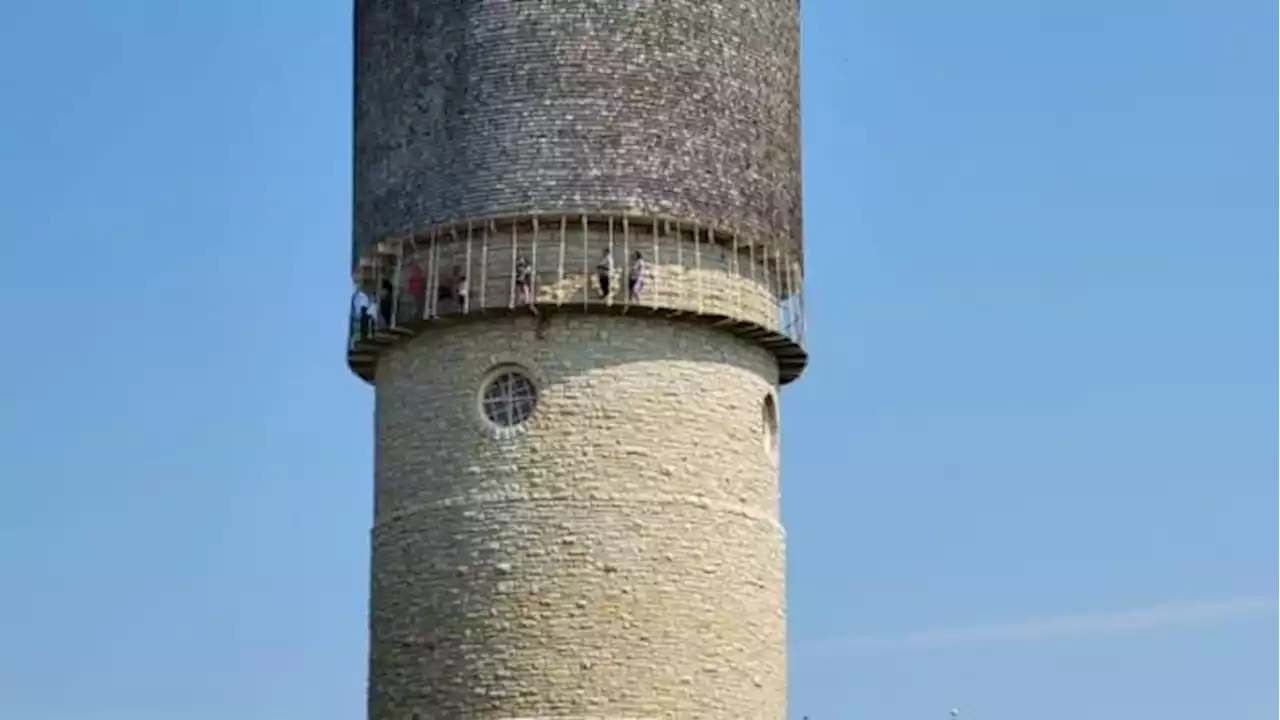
(417, 287)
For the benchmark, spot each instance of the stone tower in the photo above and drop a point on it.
(576, 479)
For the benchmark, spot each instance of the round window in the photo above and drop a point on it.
(508, 398)
(769, 418)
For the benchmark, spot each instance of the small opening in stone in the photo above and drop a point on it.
(769, 419)
(508, 398)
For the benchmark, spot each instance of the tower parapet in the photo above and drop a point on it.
(580, 263)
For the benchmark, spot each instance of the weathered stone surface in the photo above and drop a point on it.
(685, 107)
(620, 556)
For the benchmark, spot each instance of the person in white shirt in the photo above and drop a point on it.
(361, 320)
(462, 290)
(635, 281)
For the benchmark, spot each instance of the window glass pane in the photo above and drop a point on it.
(509, 399)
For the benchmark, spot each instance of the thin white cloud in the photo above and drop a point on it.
(1156, 616)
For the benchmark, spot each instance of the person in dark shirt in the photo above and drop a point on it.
(444, 288)
(417, 286)
(604, 272)
(524, 279)
(385, 301)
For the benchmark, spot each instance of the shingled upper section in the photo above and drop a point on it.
(469, 108)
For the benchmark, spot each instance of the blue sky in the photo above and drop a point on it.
(1029, 474)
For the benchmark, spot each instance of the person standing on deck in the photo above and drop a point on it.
(524, 278)
(417, 287)
(460, 294)
(604, 272)
(386, 301)
(361, 319)
(635, 281)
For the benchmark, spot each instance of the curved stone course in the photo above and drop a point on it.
(621, 556)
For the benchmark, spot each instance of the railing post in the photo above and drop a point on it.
(515, 241)
(737, 277)
(376, 301)
(533, 264)
(680, 302)
(697, 261)
(564, 230)
(398, 259)
(776, 281)
(455, 298)
(484, 265)
(466, 298)
(626, 262)
(435, 261)
(653, 294)
(586, 264)
(613, 260)
(800, 299)
(411, 256)
(353, 315)
(431, 278)
(785, 305)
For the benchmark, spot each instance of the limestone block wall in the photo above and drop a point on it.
(621, 556)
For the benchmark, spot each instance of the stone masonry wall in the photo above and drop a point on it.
(619, 557)
(683, 107)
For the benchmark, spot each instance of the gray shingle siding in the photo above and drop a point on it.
(467, 108)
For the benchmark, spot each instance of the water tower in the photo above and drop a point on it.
(578, 248)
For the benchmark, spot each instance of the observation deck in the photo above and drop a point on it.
(546, 264)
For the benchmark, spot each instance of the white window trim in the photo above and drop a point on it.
(483, 401)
